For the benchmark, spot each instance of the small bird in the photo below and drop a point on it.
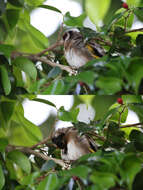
(77, 51)
(72, 145)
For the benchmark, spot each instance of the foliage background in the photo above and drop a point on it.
(22, 46)
(116, 165)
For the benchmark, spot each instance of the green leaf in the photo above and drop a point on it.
(120, 109)
(139, 13)
(26, 65)
(122, 21)
(54, 72)
(44, 101)
(103, 180)
(96, 10)
(30, 179)
(50, 8)
(135, 73)
(138, 109)
(138, 181)
(48, 166)
(39, 39)
(50, 182)
(68, 115)
(20, 159)
(133, 3)
(7, 109)
(132, 99)
(17, 3)
(3, 144)
(136, 137)
(12, 17)
(6, 50)
(22, 131)
(5, 79)
(74, 21)
(130, 166)
(57, 87)
(80, 171)
(2, 178)
(34, 3)
(110, 85)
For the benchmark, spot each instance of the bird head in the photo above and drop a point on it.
(71, 34)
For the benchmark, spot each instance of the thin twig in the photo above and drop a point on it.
(134, 30)
(44, 157)
(38, 154)
(120, 115)
(131, 125)
(35, 57)
(41, 142)
(53, 46)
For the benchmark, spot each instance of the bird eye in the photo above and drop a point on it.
(68, 35)
(65, 36)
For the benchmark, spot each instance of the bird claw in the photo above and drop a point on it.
(67, 165)
(73, 72)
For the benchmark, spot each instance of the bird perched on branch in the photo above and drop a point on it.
(77, 52)
(72, 145)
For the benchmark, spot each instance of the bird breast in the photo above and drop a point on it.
(74, 151)
(74, 59)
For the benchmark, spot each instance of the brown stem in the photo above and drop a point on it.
(134, 30)
(131, 125)
(53, 46)
(38, 154)
(44, 157)
(120, 115)
(34, 57)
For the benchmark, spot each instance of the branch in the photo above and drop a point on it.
(38, 154)
(53, 46)
(134, 30)
(44, 141)
(35, 57)
(43, 156)
(131, 125)
(52, 64)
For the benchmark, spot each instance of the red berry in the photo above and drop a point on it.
(75, 178)
(81, 83)
(120, 101)
(125, 6)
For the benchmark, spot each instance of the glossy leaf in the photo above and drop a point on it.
(131, 165)
(6, 50)
(44, 101)
(26, 65)
(50, 182)
(2, 178)
(54, 72)
(20, 159)
(135, 72)
(68, 115)
(5, 80)
(3, 144)
(103, 180)
(12, 17)
(96, 10)
(109, 85)
(7, 109)
(39, 39)
(74, 21)
(50, 8)
(17, 3)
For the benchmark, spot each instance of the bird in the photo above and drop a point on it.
(77, 52)
(72, 144)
